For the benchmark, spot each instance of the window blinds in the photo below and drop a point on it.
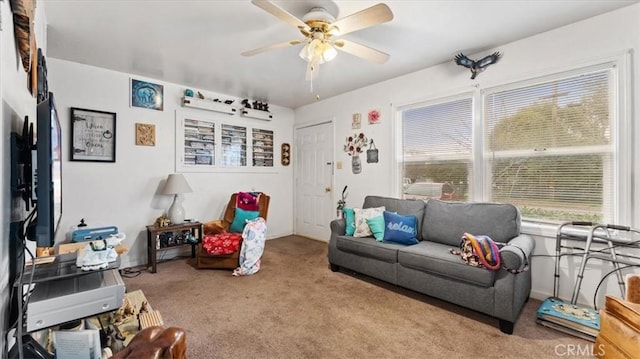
(549, 148)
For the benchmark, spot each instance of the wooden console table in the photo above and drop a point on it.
(172, 236)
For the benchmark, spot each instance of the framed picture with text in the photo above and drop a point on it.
(93, 135)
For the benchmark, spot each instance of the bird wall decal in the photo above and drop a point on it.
(478, 66)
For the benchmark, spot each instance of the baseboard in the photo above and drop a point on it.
(539, 295)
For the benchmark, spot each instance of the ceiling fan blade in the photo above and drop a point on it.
(280, 13)
(271, 47)
(362, 51)
(374, 15)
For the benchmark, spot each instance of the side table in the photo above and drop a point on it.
(163, 238)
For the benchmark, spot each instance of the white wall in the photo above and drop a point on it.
(125, 193)
(572, 46)
(16, 102)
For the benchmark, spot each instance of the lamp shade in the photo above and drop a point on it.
(176, 184)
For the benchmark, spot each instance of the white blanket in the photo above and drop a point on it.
(253, 238)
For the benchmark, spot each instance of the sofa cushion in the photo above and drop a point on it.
(435, 258)
(399, 206)
(362, 227)
(399, 228)
(446, 222)
(369, 247)
(350, 218)
(376, 224)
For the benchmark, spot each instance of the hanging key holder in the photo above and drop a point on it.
(372, 153)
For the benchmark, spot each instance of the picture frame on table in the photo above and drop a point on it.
(93, 135)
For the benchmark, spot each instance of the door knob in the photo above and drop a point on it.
(327, 189)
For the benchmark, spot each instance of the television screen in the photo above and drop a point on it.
(48, 173)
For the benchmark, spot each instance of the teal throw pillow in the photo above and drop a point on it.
(400, 229)
(376, 224)
(240, 219)
(350, 218)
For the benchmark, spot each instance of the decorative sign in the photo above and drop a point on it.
(285, 154)
(374, 117)
(355, 121)
(145, 134)
(93, 135)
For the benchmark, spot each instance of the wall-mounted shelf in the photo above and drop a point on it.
(257, 114)
(208, 105)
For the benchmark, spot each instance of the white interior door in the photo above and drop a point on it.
(314, 181)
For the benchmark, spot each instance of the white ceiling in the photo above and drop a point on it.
(198, 43)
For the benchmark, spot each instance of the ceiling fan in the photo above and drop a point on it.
(320, 30)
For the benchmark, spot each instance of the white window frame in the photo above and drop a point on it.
(621, 125)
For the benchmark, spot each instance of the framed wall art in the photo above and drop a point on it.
(147, 95)
(93, 135)
(355, 121)
(374, 117)
(145, 134)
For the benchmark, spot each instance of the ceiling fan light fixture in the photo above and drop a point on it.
(318, 51)
(328, 52)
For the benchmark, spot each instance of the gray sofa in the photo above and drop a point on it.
(429, 268)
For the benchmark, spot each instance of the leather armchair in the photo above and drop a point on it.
(619, 335)
(156, 343)
(226, 261)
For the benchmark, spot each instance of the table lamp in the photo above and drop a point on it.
(176, 185)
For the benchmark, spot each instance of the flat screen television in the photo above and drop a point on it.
(47, 169)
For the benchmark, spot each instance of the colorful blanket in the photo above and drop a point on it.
(221, 244)
(253, 239)
(479, 251)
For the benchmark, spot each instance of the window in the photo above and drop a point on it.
(557, 147)
(217, 143)
(437, 143)
(549, 148)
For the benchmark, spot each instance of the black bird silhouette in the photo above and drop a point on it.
(477, 67)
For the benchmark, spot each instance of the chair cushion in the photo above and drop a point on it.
(240, 219)
(221, 244)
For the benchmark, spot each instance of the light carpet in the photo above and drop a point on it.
(295, 307)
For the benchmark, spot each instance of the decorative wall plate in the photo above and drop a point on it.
(285, 154)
